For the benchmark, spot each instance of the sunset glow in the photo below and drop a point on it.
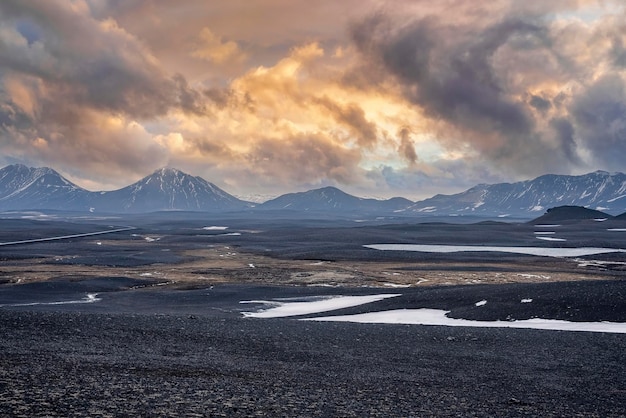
(379, 98)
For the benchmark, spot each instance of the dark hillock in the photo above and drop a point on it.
(570, 213)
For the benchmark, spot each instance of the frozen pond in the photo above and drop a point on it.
(547, 252)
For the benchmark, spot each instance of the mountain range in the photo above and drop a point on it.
(23, 187)
(598, 190)
(27, 188)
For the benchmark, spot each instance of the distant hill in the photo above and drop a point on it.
(331, 199)
(599, 190)
(621, 217)
(569, 213)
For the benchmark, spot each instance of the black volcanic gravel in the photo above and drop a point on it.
(99, 364)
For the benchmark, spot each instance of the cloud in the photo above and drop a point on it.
(215, 49)
(73, 89)
(599, 113)
(353, 116)
(406, 148)
(386, 95)
(489, 80)
(306, 159)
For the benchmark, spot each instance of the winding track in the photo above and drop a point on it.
(88, 234)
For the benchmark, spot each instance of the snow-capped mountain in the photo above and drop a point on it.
(24, 187)
(168, 189)
(331, 199)
(599, 190)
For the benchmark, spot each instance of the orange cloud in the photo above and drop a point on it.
(357, 94)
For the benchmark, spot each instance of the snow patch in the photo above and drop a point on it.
(311, 305)
(481, 303)
(215, 228)
(526, 301)
(439, 317)
(534, 276)
(551, 239)
(616, 198)
(546, 252)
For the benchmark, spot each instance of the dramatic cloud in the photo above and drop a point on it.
(490, 82)
(380, 98)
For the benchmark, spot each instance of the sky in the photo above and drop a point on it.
(379, 98)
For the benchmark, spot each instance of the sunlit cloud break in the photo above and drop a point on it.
(379, 98)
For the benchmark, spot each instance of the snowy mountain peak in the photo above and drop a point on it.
(169, 189)
(34, 188)
(598, 190)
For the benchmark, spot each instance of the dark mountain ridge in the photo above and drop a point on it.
(24, 188)
(333, 200)
(168, 189)
(598, 190)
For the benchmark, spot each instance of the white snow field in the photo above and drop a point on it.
(423, 316)
(439, 317)
(316, 304)
(548, 252)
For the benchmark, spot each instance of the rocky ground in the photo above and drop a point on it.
(76, 364)
(106, 359)
(166, 335)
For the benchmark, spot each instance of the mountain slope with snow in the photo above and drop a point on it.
(24, 187)
(599, 190)
(168, 189)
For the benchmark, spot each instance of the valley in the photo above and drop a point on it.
(243, 315)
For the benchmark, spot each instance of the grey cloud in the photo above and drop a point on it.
(477, 82)
(303, 159)
(539, 103)
(406, 147)
(600, 114)
(190, 100)
(353, 116)
(457, 83)
(89, 62)
(565, 135)
(88, 80)
(227, 97)
(619, 53)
